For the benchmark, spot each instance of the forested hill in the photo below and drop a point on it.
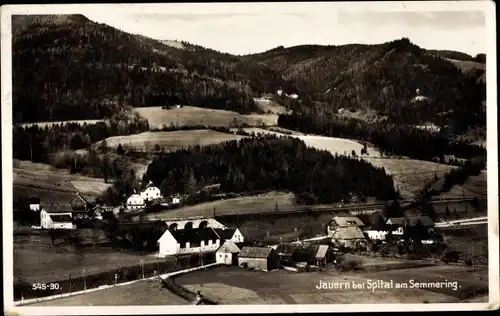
(67, 67)
(384, 78)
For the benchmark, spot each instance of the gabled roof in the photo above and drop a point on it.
(149, 185)
(346, 221)
(411, 221)
(194, 235)
(79, 198)
(225, 233)
(229, 247)
(255, 252)
(352, 232)
(322, 251)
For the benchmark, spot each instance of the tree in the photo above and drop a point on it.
(447, 212)
(393, 210)
(157, 148)
(167, 186)
(105, 168)
(120, 150)
(103, 146)
(353, 153)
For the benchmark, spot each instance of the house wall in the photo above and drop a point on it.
(376, 234)
(237, 237)
(224, 258)
(398, 232)
(45, 220)
(35, 207)
(256, 263)
(205, 246)
(135, 202)
(167, 244)
(151, 193)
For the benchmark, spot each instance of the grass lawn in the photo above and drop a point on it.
(170, 140)
(139, 293)
(234, 285)
(189, 115)
(257, 204)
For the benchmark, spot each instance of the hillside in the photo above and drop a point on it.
(398, 79)
(67, 67)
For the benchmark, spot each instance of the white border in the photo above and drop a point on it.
(488, 7)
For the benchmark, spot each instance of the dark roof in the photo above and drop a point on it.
(225, 233)
(347, 221)
(61, 218)
(411, 221)
(255, 252)
(80, 199)
(34, 200)
(378, 226)
(194, 235)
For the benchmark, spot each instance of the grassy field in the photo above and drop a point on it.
(170, 140)
(188, 115)
(139, 293)
(43, 124)
(56, 186)
(235, 285)
(245, 204)
(472, 241)
(36, 260)
(269, 106)
(474, 186)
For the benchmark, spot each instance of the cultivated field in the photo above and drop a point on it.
(170, 140)
(235, 285)
(36, 260)
(53, 185)
(263, 203)
(189, 116)
(139, 293)
(43, 124)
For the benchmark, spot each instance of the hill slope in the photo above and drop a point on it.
(384, 78)
(67, 67)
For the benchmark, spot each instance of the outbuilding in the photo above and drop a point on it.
(259, 258)
(227, 253)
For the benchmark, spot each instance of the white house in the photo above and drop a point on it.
(399, 225)
(151, 192)
(135, 201)
(56, 220)
(230, 234)
(34, 204)
(377, 231)
(176, 200)
(227, 253)
(188, 241)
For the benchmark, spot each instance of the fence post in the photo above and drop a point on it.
(142, 268)
(84, 274)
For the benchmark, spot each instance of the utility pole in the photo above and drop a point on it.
(84, 274)
(142, 268)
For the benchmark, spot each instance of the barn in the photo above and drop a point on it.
(227, 253)
(259, 258)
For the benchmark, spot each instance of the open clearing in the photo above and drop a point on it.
(139, 293)
(43, 124)
(234, 285)
(170, 140)
(269, 106)
(248, 204)
(52, 185)
(194, 116)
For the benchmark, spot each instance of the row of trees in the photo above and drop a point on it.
(270, 163)
(36, 143)
(391, 139)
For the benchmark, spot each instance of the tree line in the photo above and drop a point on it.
(391, 139)
(36, 143)
(270, 163)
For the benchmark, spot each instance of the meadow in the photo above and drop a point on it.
(195, 116)
(170, 140)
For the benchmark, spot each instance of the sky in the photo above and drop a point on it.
(246, 33)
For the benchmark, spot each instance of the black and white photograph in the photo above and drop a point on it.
(320, 156)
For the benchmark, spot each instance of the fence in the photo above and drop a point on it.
(24, 290)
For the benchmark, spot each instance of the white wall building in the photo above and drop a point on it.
(227, 253)
(374, 234)
(56, 220)
(135, 202)
(230, 234)
(151, 192)
(34, 204)
(176, 200)
(188, 241)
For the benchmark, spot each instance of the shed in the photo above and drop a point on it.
(321, 256)
(260, 258)
(227, 253)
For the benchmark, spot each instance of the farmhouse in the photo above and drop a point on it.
(227, 253)
(232, 234)
(400, 226)
(194, 223)
(34, 203)
(259, 258)
(186, 241)
(342, 221)
(151, 192)
(56, 220)
(80, 204)
(135, 202)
